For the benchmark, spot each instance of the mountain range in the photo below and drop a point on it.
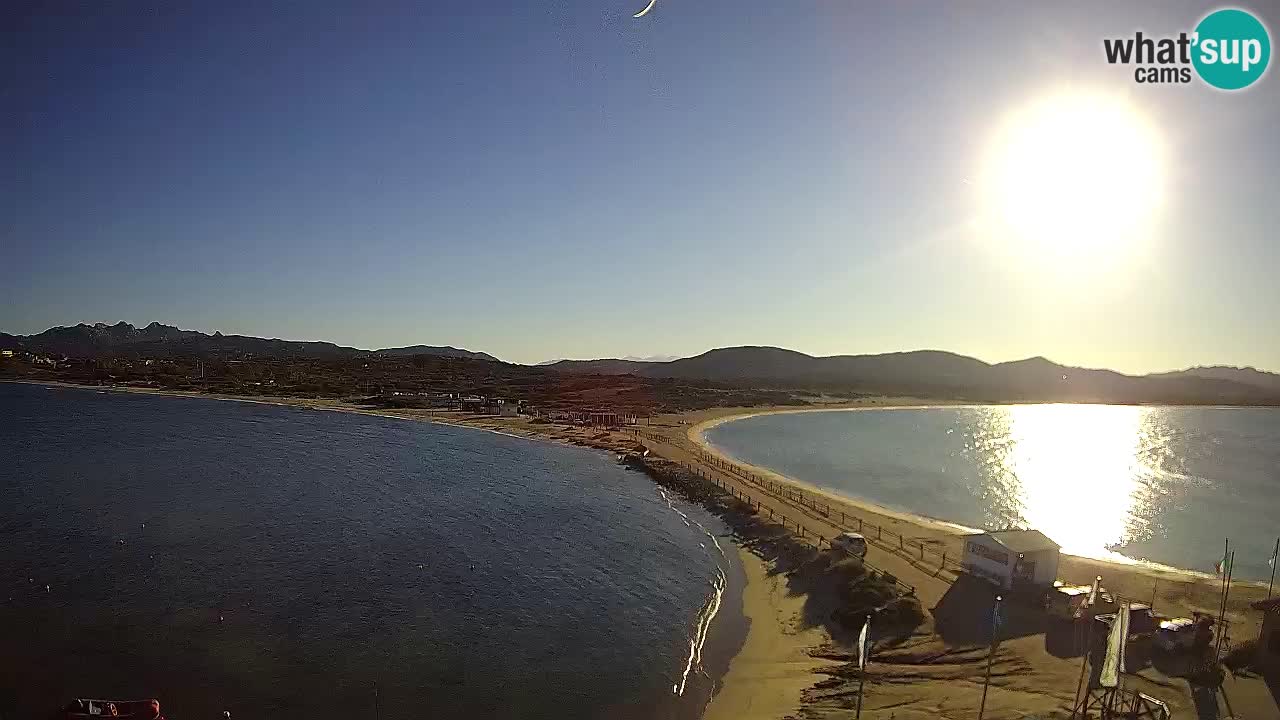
(921, 373)
(156, 340)
(933, 373)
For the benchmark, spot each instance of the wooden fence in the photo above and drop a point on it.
(817, 540)
(882, 536)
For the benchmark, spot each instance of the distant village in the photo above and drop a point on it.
(265, 377)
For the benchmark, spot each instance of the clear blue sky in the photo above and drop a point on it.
(556, 179)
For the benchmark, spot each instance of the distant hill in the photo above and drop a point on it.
(920, 373)
(933, 373)
(156, 340)
(600, 367)
(1245, 375)
(439, 351)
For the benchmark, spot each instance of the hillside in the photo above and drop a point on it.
(157, 340)
(931, 373)
(1246, 376)
(436, 350)
(920, 373)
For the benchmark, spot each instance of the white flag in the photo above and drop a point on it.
(862, 644)
(1113, 665)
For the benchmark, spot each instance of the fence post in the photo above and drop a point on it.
(902, 543)
(944, 559)
(879, 532)
(921, 551)
(859, 524)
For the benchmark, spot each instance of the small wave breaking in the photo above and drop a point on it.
(707, 613)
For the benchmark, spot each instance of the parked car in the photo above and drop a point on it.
(850, 542)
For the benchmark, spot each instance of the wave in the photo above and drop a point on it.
(710, 608)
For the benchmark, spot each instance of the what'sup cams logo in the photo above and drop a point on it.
(1229, 49)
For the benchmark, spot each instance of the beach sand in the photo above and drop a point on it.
(786, 669)
(768, 676)
(937, 672)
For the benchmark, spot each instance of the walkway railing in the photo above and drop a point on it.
(886, 537)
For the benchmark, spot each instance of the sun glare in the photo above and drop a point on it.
(1074, 176)
(1077, 467)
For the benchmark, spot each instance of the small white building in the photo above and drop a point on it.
(1012, 557)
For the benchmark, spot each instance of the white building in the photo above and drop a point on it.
(1012, 557)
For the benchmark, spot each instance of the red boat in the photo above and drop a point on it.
(87, 708)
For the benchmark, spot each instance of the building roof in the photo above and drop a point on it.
(1023, 540)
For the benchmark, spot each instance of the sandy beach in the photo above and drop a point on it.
(1032, 677)
(789, 665)
(768, 676)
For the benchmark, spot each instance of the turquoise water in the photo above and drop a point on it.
(280, 562)
(1158, 484)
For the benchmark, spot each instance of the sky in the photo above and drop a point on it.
(558, 179)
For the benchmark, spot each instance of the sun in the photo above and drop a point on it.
(1074, 176)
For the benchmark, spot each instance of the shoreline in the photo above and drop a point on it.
(727, 631)
(1043, 680)
(697, 435)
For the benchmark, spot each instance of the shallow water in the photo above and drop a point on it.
(277, 562)
(1159, 484)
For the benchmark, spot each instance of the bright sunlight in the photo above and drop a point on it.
(1075, 176)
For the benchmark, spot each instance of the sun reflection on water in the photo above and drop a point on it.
(1076, 473)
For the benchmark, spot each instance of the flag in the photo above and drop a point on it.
(1220, 567)
(1113, 665)
(862, 644)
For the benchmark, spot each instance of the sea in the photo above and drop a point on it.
(1165, 485)
(283, 562)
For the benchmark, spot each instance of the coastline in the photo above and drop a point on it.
(776, 666)
(696, 434)
(728, 631)
(767, 676)
(1037, 674)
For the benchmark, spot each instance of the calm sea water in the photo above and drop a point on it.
(1160, 484)
(280, 562)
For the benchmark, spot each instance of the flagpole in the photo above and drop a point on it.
(991, 651)
(1222, 587)
(1231, 566)
(862, 655)
(1275, 559)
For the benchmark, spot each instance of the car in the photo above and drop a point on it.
(851, 543)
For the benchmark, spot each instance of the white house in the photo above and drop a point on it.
(1012, 557)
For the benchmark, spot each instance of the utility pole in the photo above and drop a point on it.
(995, 629)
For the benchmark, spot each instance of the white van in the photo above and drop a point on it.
(850, 542)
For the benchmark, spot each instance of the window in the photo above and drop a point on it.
(986, 552)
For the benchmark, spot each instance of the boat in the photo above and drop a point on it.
(148, 709)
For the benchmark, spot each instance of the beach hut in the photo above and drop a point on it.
(1268, 660)
(1012, 558)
